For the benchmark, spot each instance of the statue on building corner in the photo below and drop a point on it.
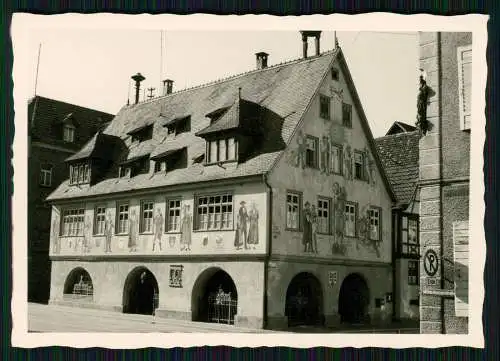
(422, 98)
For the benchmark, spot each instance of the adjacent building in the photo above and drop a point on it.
(258, 200)
(445, 111)
(56, 130)
(399, 153)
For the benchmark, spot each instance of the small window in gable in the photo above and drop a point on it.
(46, 175)
(335, 74)
(324, 107)
(312, 152)
(347, 115)
(464, 57)
(359, 165)
(69, 133)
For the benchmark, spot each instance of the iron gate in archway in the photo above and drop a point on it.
(222, 307)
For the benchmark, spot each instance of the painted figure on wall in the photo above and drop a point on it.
(241, 235)
(108, 233)
(253, 230)
(339, 193)
(363, 224)
(325, 155)
(56, 242)
(370, 167)
(86, 247)
(186, 228)
(314, 229)
(171, 241)
(348, 162)
(307, 233)
(158, 224)
(205, 241)
(132, 233)
(301, 150)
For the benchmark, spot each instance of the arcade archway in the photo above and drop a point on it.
(140, 292)
(304, 300)
(354, 299)
(79, 285)
(214, 297)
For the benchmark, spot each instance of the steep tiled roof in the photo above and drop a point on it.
(283, 93)
(46, 117)
(399, 156)
(400, 127)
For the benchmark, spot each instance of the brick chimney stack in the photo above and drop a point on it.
(261, 60)
(168, 86)
(306, 34)
(137, 78)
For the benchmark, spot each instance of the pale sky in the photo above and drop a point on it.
(92, 68)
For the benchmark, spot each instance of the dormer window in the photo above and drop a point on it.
(142, 133)
(222, 150)
(124, 172)
(179, 125)
(69, 133)
(170, 160)
(133, 166)
(79, 173)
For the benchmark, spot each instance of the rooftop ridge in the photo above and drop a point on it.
(402, 134)
(234, 76)
(72, 104)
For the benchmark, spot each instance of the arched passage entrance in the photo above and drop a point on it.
(79, 285)
(214, 297)
(304, 300)
(354, 299)
(140, 292)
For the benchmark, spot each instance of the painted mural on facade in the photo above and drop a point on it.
(241, 235)
(56, 242)
(186, 228)
(133, 232)
(108, 233)
(338, 222)
(158, 229)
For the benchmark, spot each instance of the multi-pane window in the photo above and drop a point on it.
(69, 133)
(72, 222)
(324, 107)
(464, 55)
(374, 217)
(323, 216)
(122, 227)
(413, 272)
(147, 217)
(79, 173)
(336, 159)
(221, 150)
(347, 115)
(359, 165)
(293, 211)
(350, 220)
(46, 175)
(409, 235)
(99, 220)
(312, 152)
(173, 215)
(215, 212)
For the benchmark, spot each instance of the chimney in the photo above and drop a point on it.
(137, 78)
(306, 34)
(167, 86)
(261, 60)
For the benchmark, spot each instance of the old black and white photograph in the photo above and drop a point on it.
(311, 183)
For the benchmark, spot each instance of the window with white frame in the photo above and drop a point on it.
(293, 210)
(99, 220)
(46, 175)
(72, 222)
(173, 215)
(221, 150)
(374, 217)
(409, 235)
(79, 173)
(350, 219)
(336, 159)
(413, 272)
(464, 57)
(312, 151)
(147, 217)
(69, 133)
(323, 215)
(122, 219)
(214, 212)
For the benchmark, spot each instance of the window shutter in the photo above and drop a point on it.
(464, 58)
(461, 263)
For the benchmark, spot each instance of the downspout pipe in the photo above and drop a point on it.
(269, 240)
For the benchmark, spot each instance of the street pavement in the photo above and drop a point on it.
(58, 318)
